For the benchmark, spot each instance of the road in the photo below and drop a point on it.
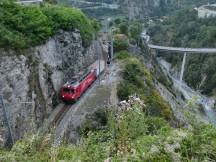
(183, 50)
(146, 37)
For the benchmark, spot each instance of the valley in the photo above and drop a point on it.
(107, 80)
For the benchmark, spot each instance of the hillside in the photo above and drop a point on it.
(137, 130)
(73, 93)
(185, 29)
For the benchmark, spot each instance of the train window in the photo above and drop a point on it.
(66, 90)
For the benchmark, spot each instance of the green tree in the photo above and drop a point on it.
(123, 28)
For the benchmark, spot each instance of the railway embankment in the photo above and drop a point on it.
(88, 112)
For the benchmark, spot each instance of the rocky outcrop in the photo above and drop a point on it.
(30, 80)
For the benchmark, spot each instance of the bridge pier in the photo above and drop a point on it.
(183, 67)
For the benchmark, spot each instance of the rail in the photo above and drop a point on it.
(6, 118)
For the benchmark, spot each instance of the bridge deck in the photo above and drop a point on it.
(183, 50)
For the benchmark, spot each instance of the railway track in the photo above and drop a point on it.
(63, 111)
(59, 116)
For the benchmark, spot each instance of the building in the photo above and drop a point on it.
(207, 11)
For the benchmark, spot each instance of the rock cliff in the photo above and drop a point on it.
(30, 80)
(142, 8)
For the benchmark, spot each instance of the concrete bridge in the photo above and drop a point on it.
(184, 51)
(29, 2)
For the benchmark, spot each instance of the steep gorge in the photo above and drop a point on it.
(30, 79)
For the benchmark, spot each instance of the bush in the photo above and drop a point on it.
(125, 89)
(157, 106)
(200, 144)
(69, 19)
(22, 26)
(25, 26)
(123, 55)
(123, 28)
(120, 43)
(138, 80)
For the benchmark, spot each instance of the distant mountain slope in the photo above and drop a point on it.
(133, 9)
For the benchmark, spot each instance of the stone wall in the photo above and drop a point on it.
(30, 80)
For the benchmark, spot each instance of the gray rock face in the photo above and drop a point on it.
(30, 80)
(142, 8)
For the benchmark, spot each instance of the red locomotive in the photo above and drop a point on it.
(73, 90)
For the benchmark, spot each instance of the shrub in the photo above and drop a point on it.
(123, 28)
(69, 19)
(25, 26)
(125, 89)
(138, 80)
(122, 55)
(157, 106)
(22, 26)
(200, 144)
(120, 43)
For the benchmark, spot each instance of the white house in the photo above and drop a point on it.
(206, 11)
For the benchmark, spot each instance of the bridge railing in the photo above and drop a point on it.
(183, 50)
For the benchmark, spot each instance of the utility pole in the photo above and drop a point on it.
(99, 65)
(112, 52)
(2, 105)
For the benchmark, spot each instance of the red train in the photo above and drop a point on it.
(73, 90)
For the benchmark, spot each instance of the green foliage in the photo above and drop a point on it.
(123, 28)
(200, 144)
(94, 121)
(157, 106)
(123, 55)
(22, 26)
(25, 26)
(138, 80)
(126, 89)
(117, 21)
(120, 45)
(129, 136)
(33, 148)
(69, 19)
(135, 30)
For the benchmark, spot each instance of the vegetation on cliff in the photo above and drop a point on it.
(25, 26)
(129, 135)
(137, 130)
(138, 80)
